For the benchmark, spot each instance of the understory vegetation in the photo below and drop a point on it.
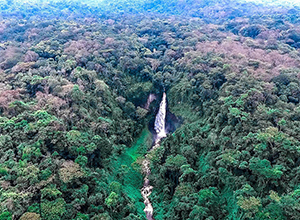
(74, 120)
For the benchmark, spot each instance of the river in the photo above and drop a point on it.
(160, 129)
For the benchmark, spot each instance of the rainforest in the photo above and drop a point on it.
(149, 109)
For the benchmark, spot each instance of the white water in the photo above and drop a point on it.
(160, 120)
(160, 129)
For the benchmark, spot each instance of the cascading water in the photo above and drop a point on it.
(160, 120)
(160, 129)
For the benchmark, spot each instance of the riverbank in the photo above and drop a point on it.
(130, 162)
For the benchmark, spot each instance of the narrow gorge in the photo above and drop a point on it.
(160, 129)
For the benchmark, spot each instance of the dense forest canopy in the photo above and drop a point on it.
(75, 77)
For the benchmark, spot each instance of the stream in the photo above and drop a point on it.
(160, 129)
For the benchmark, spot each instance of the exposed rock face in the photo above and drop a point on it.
(151, 98)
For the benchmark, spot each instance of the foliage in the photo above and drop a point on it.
(74, 116)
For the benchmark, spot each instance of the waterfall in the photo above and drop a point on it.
(160, 129)
(160, 120)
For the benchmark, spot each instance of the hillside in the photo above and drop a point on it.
(74, 126)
